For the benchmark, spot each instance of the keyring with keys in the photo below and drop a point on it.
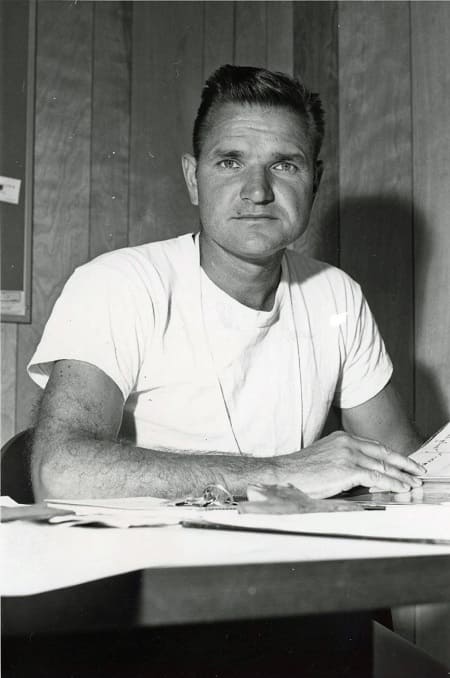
(213, 496)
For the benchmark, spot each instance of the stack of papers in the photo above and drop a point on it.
(127, 512)
(435, 456)
(422, 524)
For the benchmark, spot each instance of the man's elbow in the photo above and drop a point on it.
(50, 478)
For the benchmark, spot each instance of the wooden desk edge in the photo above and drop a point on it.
(183, 595)
(220, 593)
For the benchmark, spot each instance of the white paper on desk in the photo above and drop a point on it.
(399, 522)
(159, 518)
(126, 512)
(110, 504)
(7, 501)
(435, 456)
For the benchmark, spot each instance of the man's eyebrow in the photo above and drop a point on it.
(295, 156)
(226, 153)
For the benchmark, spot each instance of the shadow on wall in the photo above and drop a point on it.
(375, 245)
(431, 400)
(430, 391)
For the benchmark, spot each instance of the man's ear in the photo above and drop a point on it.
(318, 171)
(189, 164)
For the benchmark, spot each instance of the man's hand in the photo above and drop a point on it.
(341, 461)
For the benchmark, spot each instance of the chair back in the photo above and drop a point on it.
(15, 468)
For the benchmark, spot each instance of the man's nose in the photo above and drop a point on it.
(257, 187)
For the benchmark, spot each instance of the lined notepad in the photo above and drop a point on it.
(435, 456)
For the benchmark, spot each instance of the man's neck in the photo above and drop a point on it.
(252, 283)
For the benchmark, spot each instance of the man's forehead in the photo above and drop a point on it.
(229, 111)
(236, 121)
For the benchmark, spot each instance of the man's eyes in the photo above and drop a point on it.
(281, 166)
(285, 166)
(229, 163)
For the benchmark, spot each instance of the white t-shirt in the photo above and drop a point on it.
(198, 370)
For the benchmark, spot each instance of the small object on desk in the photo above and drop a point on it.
(213, 496)
(431, 494)
(286, 499)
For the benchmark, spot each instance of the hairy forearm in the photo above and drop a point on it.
(83, 467)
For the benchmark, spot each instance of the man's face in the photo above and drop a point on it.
(253, 182)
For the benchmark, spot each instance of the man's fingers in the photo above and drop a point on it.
(373, 449)
(376, 490)
(382, 481)
(384, 468)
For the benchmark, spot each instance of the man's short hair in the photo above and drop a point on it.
(258, 86)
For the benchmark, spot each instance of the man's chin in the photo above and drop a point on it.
(257, 249)
(260, 255)
(262, 248)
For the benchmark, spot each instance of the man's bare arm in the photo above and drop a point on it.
(383, 418)
(76, 453)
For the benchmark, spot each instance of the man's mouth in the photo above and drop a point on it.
(254, 217)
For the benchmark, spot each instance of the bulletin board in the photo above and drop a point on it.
(17, 77)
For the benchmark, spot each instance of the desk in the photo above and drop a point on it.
(191, 575)
(188, 576)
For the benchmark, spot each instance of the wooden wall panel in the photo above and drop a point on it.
(280, 36)
(8, 334)
(218, 38)
(110, 126)
(315, 23)
(8, 331)
(430, 49)
(167, 79)
(375, 169)
(250, 40)
(249, 33)
(62, 178)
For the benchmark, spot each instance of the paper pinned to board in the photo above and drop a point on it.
(10, 190)
(435, 456)
(12, 302)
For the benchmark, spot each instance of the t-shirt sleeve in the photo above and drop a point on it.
(366, 366)
(102, 318)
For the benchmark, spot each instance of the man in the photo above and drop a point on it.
(215, 358)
